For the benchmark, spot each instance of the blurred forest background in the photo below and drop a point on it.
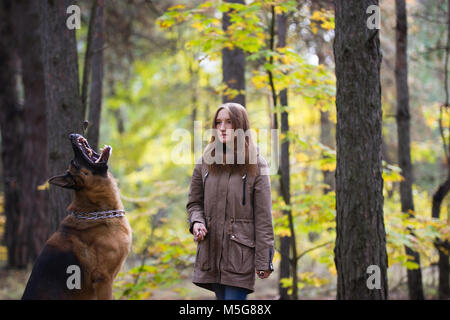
(149, 67)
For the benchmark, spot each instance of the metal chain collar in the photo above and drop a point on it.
(98, 215)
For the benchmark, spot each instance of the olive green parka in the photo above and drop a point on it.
(237, 212)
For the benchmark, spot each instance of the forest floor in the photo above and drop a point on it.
(13, 281)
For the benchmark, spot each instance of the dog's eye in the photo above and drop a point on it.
(86, 173)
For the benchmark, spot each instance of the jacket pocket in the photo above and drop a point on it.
(241, 254)
(202, 260)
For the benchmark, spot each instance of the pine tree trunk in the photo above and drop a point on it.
(64, 109)
(33, 224)
(404, 151)
(12, 135)
(233, 65)
(360, 233)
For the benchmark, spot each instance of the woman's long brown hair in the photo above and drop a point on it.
(239, 120)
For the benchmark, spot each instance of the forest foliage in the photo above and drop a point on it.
(175, 69)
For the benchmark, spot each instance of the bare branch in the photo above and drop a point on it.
(313, 248)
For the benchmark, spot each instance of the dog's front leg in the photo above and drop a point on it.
(103, 285)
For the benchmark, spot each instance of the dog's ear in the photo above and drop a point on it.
(65, 181)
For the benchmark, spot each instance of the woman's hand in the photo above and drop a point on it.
(199, 231)
(263, 274)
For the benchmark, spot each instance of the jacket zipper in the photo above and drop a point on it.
(204, 184)
(244, 178)
(204, 181)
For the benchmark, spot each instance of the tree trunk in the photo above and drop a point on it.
(233, 65)
(88, 55)
(326, 138)
(285, 242)
(326, 134)
(95, 102)
(193, 79)
(387, 159)
(33, 223)
(442, 246)
(12, 126)
(404, 152)
(64, 109)
(360, 233)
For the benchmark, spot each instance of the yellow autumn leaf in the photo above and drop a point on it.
(332, 270)
(284, 233)
(197, 25)
(145, 295)
(278, 10)
(205, 5)
(317, 15)
(328, 167)
(259, 81)
(302, 157)
(44, 186)
(327, 25)
(176, 7)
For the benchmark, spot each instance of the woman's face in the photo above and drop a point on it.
(223, 123)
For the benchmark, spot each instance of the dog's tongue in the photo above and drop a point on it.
(104, 156)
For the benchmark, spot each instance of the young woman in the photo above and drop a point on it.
(229, 207)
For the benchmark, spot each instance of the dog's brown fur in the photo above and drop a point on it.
(100, 247)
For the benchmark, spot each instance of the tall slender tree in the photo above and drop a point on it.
(360, 235)
(443, 246)
(286, 241)
(96, 90)
(404, 142)
(233, 64)
(326, 125)
(88, 55)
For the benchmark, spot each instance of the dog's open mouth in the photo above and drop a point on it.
(80, 144)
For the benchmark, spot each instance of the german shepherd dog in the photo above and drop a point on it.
(92, 242)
